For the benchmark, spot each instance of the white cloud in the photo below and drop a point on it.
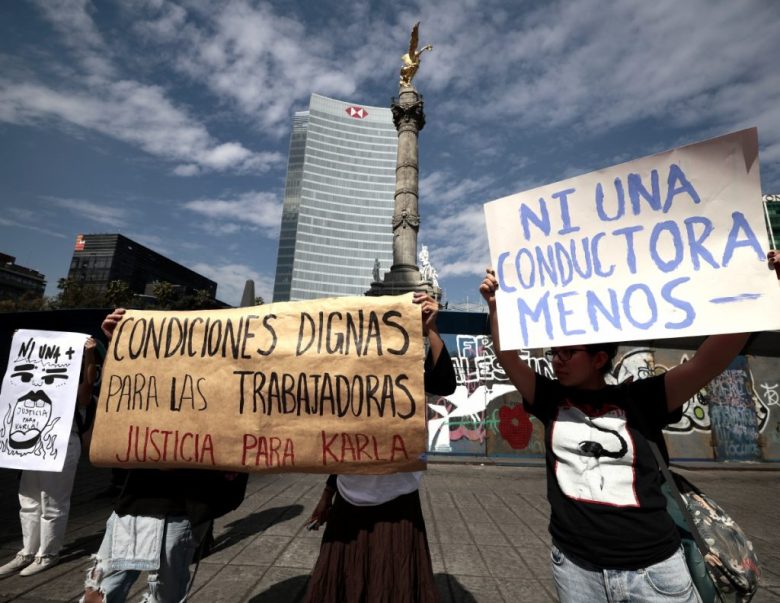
(135, 113)
(253, 210)
(189, 169)
(264, 62)
(102, 213)
(98, 98)
(33, 227)
(231, 279)
(72, 20)
(591, 66)
(444, 188)
(454, 225)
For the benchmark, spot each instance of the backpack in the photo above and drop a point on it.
(722, 561)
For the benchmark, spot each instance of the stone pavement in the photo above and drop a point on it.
(487, 527)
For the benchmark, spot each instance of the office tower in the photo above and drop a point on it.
(338, 200)
(17, 281)
(772, 212)
(99, 259)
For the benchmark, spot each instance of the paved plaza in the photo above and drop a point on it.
(487, 527)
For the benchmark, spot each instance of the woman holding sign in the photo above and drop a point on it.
(375, 547)
(610, 529)
(44, 496)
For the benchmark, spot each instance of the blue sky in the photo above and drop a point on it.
(169, 121)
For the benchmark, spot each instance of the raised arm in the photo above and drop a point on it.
(439, 372)
(520, 374)
(430, 312)
(89, 373)
(710, 360)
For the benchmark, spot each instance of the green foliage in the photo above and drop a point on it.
(29, 302)
(75, 294)
(259, 301)
(200, 300)
(165, 294)
(118, 295)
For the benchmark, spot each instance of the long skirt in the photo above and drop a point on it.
(374, 554)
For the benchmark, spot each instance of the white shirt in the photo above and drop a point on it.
(369, 490)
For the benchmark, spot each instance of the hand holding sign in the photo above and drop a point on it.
(657, 247)
(326, 386)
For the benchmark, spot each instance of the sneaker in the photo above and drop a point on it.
(40, 564)
(17, 563)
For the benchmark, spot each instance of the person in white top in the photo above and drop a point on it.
(375, 547)
(44, 496)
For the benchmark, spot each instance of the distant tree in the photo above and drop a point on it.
(199, 300)
(259, 301)
(164, 293)
(202, 300)
(75, 294)
(118, 295)
(27, 302)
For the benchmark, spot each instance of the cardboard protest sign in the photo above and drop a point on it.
(332, 386)
(670, 245)
(38, 398)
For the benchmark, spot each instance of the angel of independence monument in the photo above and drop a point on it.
(408, 116)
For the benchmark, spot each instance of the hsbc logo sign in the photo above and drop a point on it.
(356, 112)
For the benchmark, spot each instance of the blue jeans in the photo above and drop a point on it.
(667, 580)
(162, 547)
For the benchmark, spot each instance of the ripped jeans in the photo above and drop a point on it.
(163, 547)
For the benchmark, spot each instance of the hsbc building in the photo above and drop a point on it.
(338, 200)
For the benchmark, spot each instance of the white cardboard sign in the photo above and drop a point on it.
(38, 398)
(670, 245)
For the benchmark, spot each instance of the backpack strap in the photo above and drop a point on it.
(678, 498)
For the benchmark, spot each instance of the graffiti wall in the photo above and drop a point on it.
(734, 418)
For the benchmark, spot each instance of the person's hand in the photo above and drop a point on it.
(489, 287)
(430, 311)
(773, 258)
(89, 346)
(322, 510)
(111, 321)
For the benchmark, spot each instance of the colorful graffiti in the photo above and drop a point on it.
(485, 414)
(484, 405)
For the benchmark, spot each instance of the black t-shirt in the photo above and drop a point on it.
(603, 482)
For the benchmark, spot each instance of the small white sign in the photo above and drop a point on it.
(671, 245)
(38, 398)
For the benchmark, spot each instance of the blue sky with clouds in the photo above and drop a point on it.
(169, 121)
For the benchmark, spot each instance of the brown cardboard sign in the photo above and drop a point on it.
(322, 386)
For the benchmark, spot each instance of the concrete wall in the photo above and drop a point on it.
(734, 418)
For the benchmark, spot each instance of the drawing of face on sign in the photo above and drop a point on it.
(39, 391)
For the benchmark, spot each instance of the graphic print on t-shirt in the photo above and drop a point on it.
(594, 456)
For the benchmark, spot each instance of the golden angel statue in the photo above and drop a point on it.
(412, 58)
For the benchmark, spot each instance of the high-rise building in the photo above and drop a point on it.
(772, 208)
(338, 200)
(16, 280)
(99, 259)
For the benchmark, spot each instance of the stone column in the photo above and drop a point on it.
(409, 119)
(404, 275)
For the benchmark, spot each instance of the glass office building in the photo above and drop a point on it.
(338, 200)
(772, 209)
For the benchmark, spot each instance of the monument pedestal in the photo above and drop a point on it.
(403, 279)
